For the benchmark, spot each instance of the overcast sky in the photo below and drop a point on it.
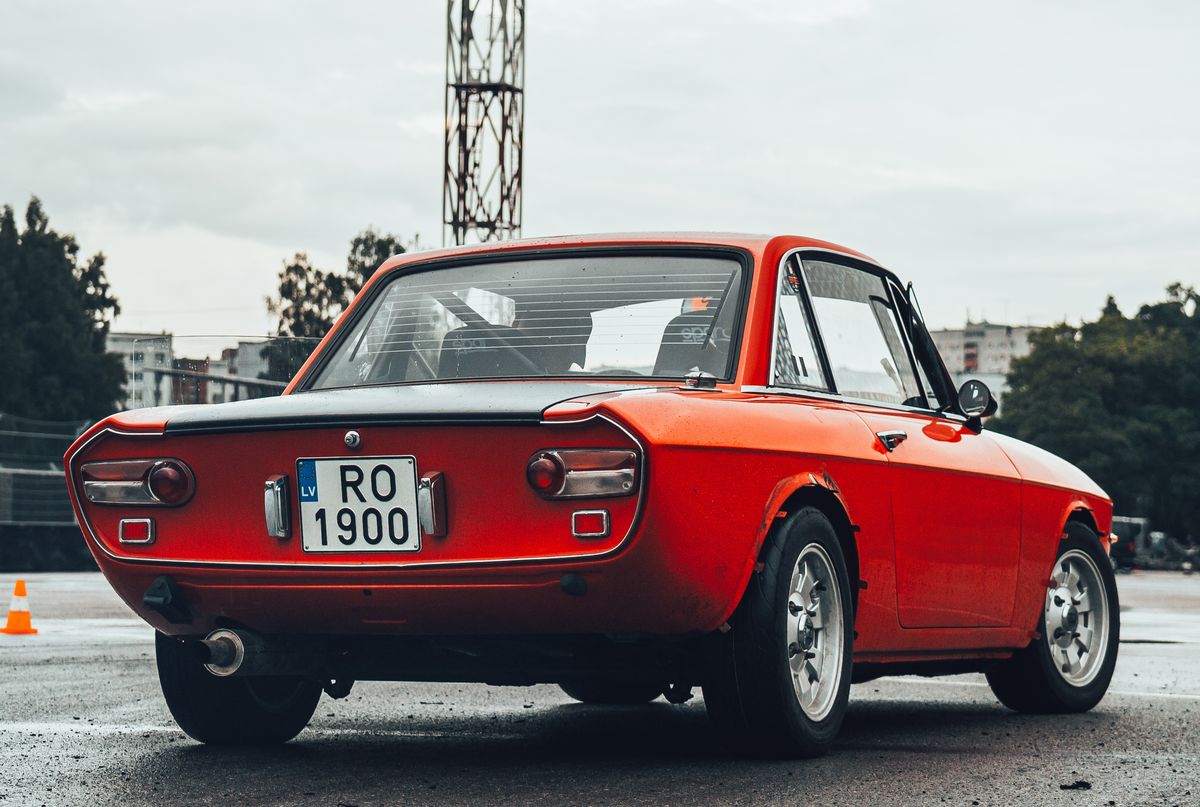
(1020, 160)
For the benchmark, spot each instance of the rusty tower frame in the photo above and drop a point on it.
(485, 120)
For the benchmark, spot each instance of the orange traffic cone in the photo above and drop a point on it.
(18, 613)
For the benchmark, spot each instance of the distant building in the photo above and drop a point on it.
(983, 351)
(142, 354)
(191, 385)
(242, 362)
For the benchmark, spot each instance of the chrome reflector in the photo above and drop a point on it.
(277, 506)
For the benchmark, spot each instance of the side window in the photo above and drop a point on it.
(929, 363)
(796, 363)
(861, 334)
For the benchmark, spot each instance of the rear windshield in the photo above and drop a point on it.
(650, 315)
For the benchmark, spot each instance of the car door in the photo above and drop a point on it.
(956, 498)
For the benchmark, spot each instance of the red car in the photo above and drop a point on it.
(628, 465)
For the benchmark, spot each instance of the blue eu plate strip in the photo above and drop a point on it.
(306, 471)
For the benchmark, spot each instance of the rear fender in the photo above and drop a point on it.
(813, 488)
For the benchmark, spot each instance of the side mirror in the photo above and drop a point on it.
(976, 402)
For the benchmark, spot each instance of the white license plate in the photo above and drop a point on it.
(363, 504)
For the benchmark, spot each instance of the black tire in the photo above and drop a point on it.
(748, 687)
(599, 692)
(1031, 681)
(231, 711)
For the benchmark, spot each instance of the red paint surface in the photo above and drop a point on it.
(956, 532)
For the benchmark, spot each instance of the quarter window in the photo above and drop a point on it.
(796, 363)
(862, 339)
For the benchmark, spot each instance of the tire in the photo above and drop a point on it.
(754, 682)
(599, 692)
(1034, 680)
(231, 711)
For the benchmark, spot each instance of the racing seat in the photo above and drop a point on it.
(475, 353)
(682, 349)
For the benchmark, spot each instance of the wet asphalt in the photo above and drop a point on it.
(82, 722)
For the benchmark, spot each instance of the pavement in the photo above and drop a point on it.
(82, 721)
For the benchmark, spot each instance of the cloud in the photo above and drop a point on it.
(986, 151)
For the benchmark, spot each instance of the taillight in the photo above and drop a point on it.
(546, 474)
(577, 473)
(153, 482)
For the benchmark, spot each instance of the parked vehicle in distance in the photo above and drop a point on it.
(1132, 536)
(628, 465)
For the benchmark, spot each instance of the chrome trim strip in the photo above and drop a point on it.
(352, 567)
(846, 399)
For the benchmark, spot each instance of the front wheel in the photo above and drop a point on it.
(231, 711)
(1068, 666)
(779, 681)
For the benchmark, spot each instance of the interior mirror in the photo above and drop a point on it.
(975, 400)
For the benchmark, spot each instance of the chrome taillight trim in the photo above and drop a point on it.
(133, 488)
(593, 473)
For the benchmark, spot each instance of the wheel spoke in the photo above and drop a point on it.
(1083, 602)
(806, 583)
(803, 682)
(1083, 636)
(816, 618)
(796, 662)
(1071, 580)
(812, 672)
(1072, 662)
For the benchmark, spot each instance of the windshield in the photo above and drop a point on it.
(585, 315)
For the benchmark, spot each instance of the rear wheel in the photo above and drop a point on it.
(1068, 667)
(231, 711)
(779, 681)
(611, 693)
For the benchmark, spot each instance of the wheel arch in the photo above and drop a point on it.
(1082, 515)
(821, 493)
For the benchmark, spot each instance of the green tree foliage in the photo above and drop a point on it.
(55, 311)
(311, 299)
(1120, 398)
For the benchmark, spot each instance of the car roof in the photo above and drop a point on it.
(754, 243)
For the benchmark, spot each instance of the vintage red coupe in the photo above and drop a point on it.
(628, 465)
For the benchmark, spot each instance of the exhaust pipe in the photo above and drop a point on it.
(223, 652)
(226, 652)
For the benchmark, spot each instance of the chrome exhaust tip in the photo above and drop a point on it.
(223, 652)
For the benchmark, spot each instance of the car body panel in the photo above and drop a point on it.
(956, 503)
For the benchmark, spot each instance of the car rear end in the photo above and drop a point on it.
(457, 527)
(411, 482)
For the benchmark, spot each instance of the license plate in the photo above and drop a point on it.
(365, 504)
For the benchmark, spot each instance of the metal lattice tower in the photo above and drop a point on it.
(485, 120)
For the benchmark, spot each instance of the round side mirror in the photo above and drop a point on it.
(975, 400)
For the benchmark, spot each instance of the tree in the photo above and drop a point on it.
(1120, 398)
(55, 312)
(311, 299)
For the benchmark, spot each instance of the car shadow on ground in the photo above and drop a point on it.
(567, 744)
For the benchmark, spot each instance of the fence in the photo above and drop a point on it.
(33, 491)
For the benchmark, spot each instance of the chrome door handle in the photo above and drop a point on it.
(891, 439)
